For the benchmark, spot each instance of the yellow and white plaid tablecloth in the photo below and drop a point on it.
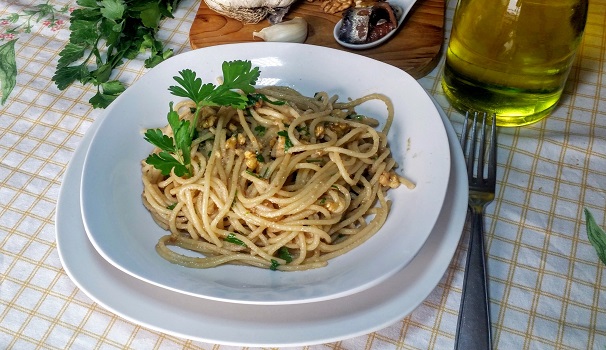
(547, 285)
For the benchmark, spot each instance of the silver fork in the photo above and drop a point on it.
(473, 329)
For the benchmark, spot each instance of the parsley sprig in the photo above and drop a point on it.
(103, 34)
(239, 78)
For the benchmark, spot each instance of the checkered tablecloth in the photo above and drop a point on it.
(547, 285)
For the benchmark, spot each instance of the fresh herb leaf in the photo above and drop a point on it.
(260, 158)
(8, 70)
(284, 254)
(274, 265)
(70, 53)
(87, 3)
(107, 92)
(113, 88)
(151, 15)
(254, 98)
(112, 9)
(157, 138)
(240, 75)
(155, 48)
(231, 238)
(182, 136)
(260, 130)
(253, 174)
(84, 31)
(176, 151)
(171, 207)
(303, 129)
(287, 142)
(165, 162)
(596, 235)
(191, 86)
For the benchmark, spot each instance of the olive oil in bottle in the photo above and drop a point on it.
(512, 57)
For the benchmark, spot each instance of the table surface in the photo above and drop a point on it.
(547, 285)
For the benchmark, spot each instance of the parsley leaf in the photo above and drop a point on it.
(285, 254)
(254, 98)
(158, 139)
(107, 92)
(240, 75)
(231, 238)
(274, 265)
(260, 130)
(112, 9)
(70, 53)
(165, 162)
(191, 86)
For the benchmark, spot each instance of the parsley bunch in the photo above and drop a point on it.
(239, 79)
(103, 34)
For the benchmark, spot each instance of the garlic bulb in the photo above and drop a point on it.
(293, 31)
(249, 11)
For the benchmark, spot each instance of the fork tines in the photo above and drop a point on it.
(479, 148)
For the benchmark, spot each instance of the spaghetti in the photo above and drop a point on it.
(285, 186)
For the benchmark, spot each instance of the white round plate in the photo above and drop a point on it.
(259, 325)
(125, 234)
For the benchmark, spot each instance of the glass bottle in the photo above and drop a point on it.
(512, 57)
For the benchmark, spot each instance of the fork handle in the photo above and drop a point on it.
(473, 329)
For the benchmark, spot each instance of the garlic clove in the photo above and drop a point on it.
(293, 31)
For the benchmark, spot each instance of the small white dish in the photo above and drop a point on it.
(124, 233)
(258, 325)
(402, 8)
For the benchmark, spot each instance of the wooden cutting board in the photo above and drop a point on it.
(415, 48)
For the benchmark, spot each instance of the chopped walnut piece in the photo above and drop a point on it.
(319, 153)
(251, 160)
(389, 179)
(339, 128)
(331, 206)
(241, 139)
(319, 131)
(209, 121)
(278, 148)
(230, 143)
(334, 6)
(364, 3)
